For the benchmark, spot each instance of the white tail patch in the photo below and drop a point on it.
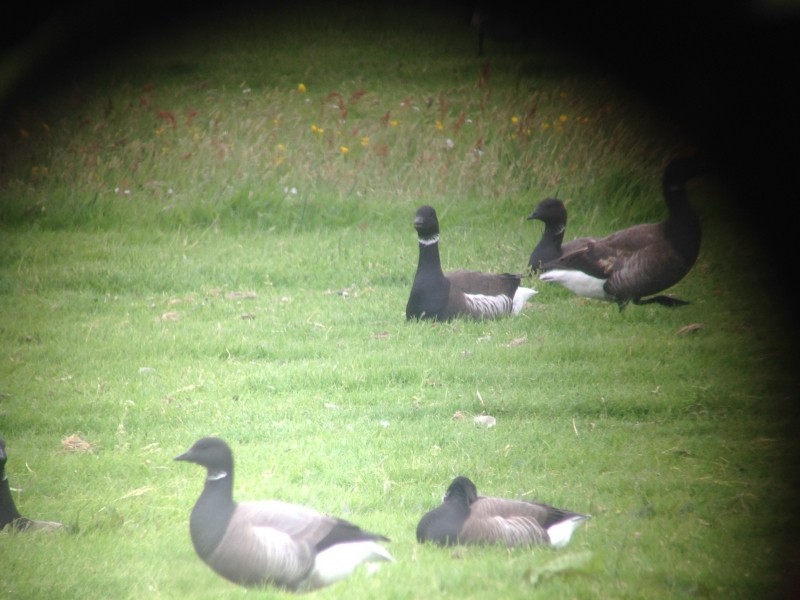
(577, 282)
(521, 296)
(561, 533)
(339, 561)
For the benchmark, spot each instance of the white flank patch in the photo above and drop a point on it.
(521, 296)
(488, 306)
(337, 562)
(561, 533)
(577, 282)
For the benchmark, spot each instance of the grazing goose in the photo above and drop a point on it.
(641, 260)
(270, 542)
(9, 515)
(553, 214)
(436, 295)
(464, 517)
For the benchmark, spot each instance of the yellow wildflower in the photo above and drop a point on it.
(563, 118)
(365, 141)
(344, 149)
(515, 119)
(394, 122)
(301, 88)
(439, 125)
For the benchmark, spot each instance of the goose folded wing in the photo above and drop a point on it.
(503, 520)
(265, 543)
(648, 271)
(592, 257)
(489, 284)
(634, 238)
(511, 531)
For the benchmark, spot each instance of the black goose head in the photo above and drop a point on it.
(462, 491)
(212, 453)
(681, 170)
(426, 223)
(551, 212)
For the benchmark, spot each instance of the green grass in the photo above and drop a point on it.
(160, 283)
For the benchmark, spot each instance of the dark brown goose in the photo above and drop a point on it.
(642, 260)
(9, 515)
(464, 517)
(440, 296)
(270, 543)
(551, 246)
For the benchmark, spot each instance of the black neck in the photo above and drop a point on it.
(8, 510)
(212, 513)
(429, 261)
(554, 233)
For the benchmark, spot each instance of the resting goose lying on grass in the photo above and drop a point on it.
(464, 517)
(440, 296)
(553, 214)
(270, 542)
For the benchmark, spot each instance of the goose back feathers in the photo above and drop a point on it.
(475, 294)
(464, 517)
(9, 515)
(270, 542)
(640, 261)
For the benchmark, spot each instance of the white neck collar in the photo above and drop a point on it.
(429, 241)
(216, 475)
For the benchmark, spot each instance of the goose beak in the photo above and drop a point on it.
(532, 216)
(417, 222)
(184, 456)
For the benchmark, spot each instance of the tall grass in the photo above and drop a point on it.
(211, 234)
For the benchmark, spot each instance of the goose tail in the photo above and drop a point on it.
(521, 296)
(561, 532)
(340, 560)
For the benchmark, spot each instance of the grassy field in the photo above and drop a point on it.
(209, 233)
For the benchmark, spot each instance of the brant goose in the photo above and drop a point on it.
(641, 260)
(553, 214)
(436, 295)
(464, 517)
(9, 515)
(270, 542)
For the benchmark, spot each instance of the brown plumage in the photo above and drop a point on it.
(639, 261)
(464, 517)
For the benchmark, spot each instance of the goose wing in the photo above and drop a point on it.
(501, 520)
(488, 284)
(270, 542)
(647, 271)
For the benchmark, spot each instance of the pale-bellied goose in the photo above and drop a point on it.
(641, 260)
(270, 542)
(553, 214)
(440, 296)
(464, 517)
(9, 515)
